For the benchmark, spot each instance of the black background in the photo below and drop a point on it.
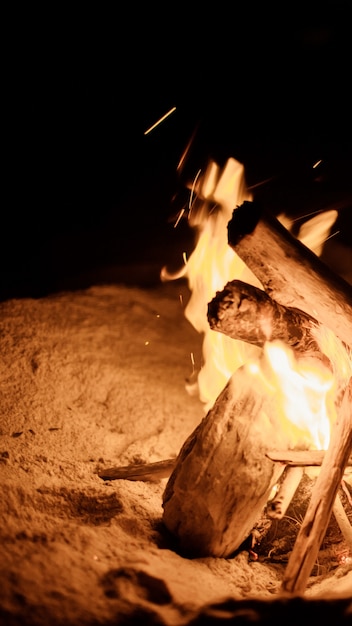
(86, 192)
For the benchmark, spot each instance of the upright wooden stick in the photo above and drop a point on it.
(321, 504)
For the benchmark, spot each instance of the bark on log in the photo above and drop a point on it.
(289, 272)
(223, 479)
(317, 517)
(245, 312)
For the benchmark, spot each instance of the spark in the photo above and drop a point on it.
(332, 235)
(303, 217)
(179, 217)
(262, 182)
(193, 362)
(181, 299)
(192, 192)
(146, 343)
(184, 256)
(186, 151)
(317, 163)
(159, 121)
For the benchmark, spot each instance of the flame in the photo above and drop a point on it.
(313, 233)
(209, 267)
(304, 389)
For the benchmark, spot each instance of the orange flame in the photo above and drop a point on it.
(210, 266)
(304, 391)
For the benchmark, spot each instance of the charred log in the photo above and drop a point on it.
(245, 312)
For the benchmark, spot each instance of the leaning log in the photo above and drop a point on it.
(223, 478)
(290, 272)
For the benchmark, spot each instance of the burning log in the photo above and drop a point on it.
(289, 271)
(222, 482)
(245, 312)
(223, 478)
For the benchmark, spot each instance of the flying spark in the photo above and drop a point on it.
(192, 193)
(303, 217)
(160, 120)
(317, 163)
(179, 217)
(332, 235)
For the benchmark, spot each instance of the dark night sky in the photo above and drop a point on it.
(267, 89)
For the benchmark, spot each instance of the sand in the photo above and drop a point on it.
(92, 379)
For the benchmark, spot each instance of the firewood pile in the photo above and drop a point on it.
(226, 471)
(219, 496)
(246, 478)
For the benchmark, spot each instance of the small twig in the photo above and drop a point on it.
(278, 506)
(140, 471)
(343, 521)
(346, 492)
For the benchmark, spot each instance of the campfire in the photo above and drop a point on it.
(276, 381)
(219, 396)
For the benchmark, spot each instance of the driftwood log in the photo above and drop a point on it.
(221, 481)
(245, 312)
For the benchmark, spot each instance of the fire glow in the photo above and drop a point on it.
(304, 389)
(304, 393)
